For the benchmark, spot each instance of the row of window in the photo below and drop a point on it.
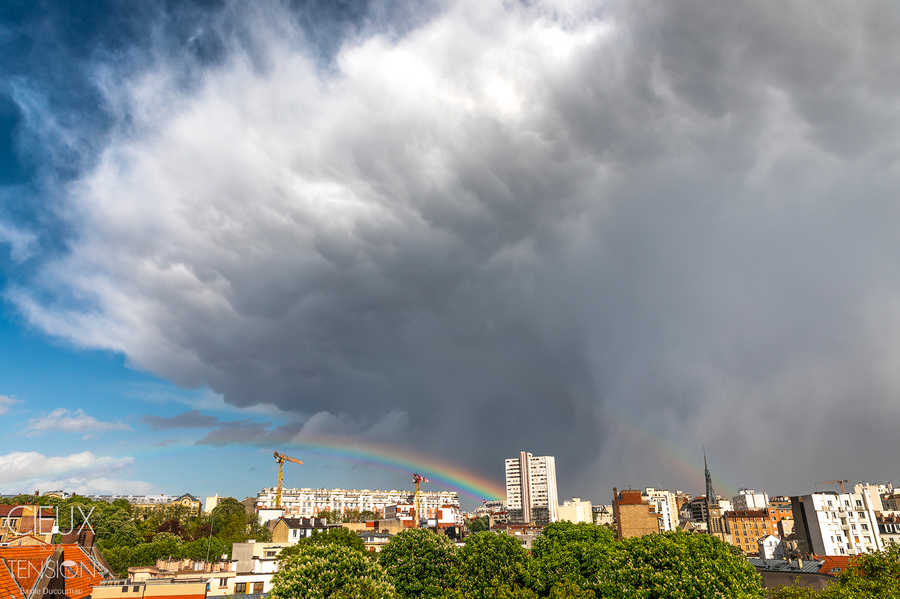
(240, 588)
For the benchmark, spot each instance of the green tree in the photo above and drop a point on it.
(330, 571)
(333, 536)
(570, 553)
(229, 519)
(675, 565)
(488, 562)
(332, 516)
(479, 524)
(419, 562)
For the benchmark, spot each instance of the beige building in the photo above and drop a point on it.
(635, 516)
(531, 489)
(575, 511)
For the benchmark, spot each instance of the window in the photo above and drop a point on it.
(223, 582)
(864, 526)
(859, 503)
(862, 516)
(240, 588)
(829, 504)
(124, 589)
(257, 587)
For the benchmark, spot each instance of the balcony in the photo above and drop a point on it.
(842, 514)
(845, 527)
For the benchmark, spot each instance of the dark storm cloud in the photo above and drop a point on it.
(248, 432)
(190, 419)
(608, 234)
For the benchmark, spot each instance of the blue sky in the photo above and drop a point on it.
(612, 232)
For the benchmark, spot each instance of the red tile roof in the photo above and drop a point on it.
(24, 510)
(22, 567)
(834, 564)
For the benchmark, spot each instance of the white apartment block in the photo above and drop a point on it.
(666, 507)
(875, 494)
(748, 499)
(830, 523)
(531, 489)
(310, 502)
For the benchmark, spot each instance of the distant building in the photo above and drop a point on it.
(770, 547)
(288, 531)
(211, 503)
(748, 499)
(748, 527)
(874, 493)
(310, 502)
(666, 507)
(26, 524)
(829, 523)
(889, 529)
(531, 489)
(715, 508)
(575, 511)
(635, 516)
(603, 514)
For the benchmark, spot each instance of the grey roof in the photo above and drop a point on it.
(783, 565)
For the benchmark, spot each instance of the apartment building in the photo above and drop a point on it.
(635, 516)
(531, 489)
(747, 527)
(666, 507)
(748, 499)
(309, 503)
(830, 523)
(576, 511)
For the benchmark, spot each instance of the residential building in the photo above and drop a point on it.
(891, 502)
(310, 502)
(525, 534)
(191, 588)
(154, 501)
(68, 571)
(27, 524)
(531, 489)
(635, 516)
(889, 529)
(829, 523)
(603, 514)
(747, 527)
(748, 499)
(666, 507)
(290, 530)
(874, 493)
(770, 547)
(218, 577)
(211, 503)
(575, 511)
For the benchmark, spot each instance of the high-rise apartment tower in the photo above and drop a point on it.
(531, 489)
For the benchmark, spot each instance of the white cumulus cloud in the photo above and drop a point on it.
(61, 420)
(85, 472)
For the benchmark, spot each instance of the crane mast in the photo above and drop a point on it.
(418, 500)
(281, 459)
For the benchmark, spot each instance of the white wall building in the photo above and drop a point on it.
(748, 499)
(830, 523)
(575, 511)
(770, 547)
(531, 489)
(666, 507)
(875, 493)
(309, 502)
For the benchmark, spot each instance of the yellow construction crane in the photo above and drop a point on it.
(281, 458)
(836, 482)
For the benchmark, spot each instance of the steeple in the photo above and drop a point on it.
(710, 492)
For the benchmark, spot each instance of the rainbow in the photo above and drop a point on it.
(458, 479)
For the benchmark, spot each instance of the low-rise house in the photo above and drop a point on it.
(291, 530)
(31, 571)
(524, 533)
(374, 541)
(26, 520)
(151, 589)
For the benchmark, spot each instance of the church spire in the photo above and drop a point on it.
(710, 492)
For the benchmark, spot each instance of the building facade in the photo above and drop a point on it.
(576, 511)
(635, 516)
(309, 503)
(531, 489)
(748, 499)
(666, 507)
(830, 523)
(747, 527)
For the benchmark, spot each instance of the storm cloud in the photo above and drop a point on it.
(609, 232)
